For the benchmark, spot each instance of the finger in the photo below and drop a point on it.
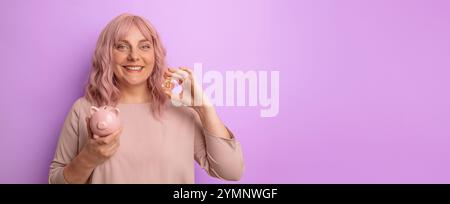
(113, 148)
(190, 74)
(167, 74)
(110, 138)
(116, 135)
(168, 84)
(168, 93)
(170, 70)
(183, 73)
(187, 70)
(95, 137)
(105, 140)
(177, 78)
(112, 144)
(178, 75)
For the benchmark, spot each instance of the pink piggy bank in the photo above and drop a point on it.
(104, 120)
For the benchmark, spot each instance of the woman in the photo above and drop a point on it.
(159, 140)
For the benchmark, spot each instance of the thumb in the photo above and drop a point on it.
(88, 126)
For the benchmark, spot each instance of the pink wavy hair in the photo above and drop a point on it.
(102, 88)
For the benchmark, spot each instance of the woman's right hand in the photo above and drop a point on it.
(99, 149)
(96, 151)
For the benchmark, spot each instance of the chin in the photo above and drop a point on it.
(136, 83)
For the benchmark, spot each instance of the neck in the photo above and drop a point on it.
(134, 94)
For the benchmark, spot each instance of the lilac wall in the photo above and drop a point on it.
(364, 85)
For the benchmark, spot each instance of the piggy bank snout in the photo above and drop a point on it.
(102, 125)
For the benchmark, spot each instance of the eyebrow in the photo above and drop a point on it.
(143, 40)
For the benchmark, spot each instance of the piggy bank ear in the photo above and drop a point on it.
(93, 110)
(116, 111)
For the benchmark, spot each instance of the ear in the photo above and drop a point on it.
(93, 110)
(116, 111)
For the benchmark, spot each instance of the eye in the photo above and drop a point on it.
(122, 47)
(145, 47)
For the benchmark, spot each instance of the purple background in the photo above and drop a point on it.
(364, 85)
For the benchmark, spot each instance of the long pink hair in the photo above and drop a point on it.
(102, 88)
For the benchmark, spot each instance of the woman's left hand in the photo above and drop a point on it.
(191, 93)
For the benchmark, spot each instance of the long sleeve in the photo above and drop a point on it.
(67, 147)
(219, 157)
(151, 150)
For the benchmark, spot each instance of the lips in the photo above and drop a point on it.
(133, 68)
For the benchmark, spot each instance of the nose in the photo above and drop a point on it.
(133, 56)
(102, 125)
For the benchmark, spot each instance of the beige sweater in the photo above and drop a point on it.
(150, 151)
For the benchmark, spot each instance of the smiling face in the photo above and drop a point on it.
(133, 59)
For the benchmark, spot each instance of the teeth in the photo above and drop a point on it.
(134, 68)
